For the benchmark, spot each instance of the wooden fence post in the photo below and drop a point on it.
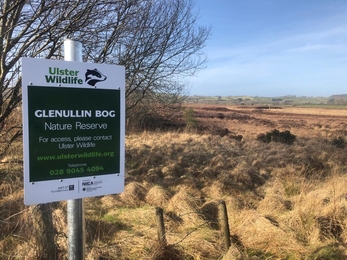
(224, 224)
(160, 225)
(43, 231)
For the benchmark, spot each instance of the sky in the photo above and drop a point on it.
(272, 48)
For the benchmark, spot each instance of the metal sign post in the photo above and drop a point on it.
(75, 208)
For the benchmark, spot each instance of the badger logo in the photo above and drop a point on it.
(94, 76)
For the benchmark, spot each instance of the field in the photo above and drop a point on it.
(284, 201)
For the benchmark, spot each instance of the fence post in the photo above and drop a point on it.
(160, 226)
(224, 224)
(44, 231)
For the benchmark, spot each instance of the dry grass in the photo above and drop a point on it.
(283, 201)
(157, 197)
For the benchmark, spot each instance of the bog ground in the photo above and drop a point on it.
(284, 201)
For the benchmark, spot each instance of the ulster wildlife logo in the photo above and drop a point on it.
(94, 76)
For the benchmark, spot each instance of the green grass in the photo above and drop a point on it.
(327, 106)
(328, 252)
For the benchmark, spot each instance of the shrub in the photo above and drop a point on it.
(276, 136)
(339, 142)
(190, 120)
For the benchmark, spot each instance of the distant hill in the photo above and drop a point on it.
(341, 96)
(338, 99)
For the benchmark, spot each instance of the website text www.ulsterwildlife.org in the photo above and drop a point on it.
(74, 156)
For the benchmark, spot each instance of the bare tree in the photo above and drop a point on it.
(32, 29)
(160, 44)
(158, 41)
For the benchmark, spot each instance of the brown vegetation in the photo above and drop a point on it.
(284, 201)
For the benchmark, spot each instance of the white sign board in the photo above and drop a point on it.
(73, 129)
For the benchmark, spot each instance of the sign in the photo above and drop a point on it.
(73, 126)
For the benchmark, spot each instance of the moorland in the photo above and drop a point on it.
(281, 171)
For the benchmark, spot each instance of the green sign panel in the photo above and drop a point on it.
(73, 132)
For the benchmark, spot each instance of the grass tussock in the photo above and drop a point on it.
(157, 197)
(134, 194)
(164, 252)
(186, 206)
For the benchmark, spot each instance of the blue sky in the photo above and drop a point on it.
(273, 48)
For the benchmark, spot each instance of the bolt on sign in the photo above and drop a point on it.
(73, 129)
